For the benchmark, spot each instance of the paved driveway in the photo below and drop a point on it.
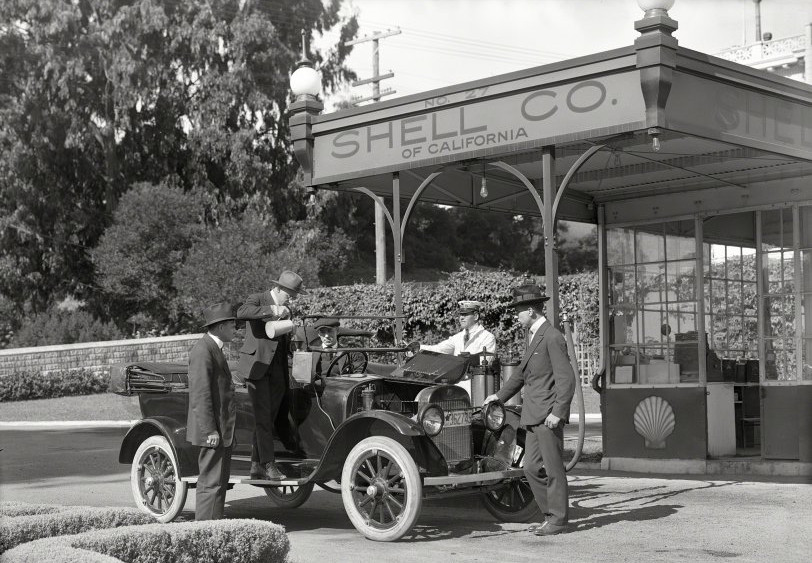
(615, 517)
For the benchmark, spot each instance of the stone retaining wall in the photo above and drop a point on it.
(96, 355)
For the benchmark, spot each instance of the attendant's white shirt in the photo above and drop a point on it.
(479, 338)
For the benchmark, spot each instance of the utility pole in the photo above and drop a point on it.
(375, 80)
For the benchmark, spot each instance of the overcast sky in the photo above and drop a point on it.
(446, 42)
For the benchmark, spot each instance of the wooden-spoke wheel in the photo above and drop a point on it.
(155, 480)
(289, 496)
(381, 489)
(512, 502)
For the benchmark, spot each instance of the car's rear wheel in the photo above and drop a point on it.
(155, 480)
(381, 489)
(289, 496)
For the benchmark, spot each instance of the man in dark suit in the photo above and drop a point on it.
(212, 411)
(264, 364)
(546, 374)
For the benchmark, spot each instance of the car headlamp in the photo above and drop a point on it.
(431, 418)
(493, 414)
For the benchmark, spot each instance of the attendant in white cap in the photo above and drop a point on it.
(472, 339)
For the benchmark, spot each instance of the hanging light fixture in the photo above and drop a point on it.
(654, 133)
(483, 189)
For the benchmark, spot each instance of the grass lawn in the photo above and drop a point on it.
(104, 406)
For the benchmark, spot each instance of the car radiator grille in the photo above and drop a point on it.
(454, 442)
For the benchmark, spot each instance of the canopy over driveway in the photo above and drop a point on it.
(698, 173)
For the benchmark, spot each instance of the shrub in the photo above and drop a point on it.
(64, 520)
(25, 386)
(63, 327)
(236, 541)
(430, 309)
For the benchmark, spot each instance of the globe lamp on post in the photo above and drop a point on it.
(305, 84)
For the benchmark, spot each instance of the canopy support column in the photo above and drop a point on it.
(548, 193)
(398, 236)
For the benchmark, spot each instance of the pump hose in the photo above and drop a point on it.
(579, 393)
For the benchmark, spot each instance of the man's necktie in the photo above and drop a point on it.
(466, 338)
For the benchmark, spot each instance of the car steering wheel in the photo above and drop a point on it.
(356, 363)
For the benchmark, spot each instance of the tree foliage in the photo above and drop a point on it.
(99, 95)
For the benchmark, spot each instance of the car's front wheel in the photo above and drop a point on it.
(155, 480)
(289, 496)
(381, 489)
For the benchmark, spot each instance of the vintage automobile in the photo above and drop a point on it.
(384, 436)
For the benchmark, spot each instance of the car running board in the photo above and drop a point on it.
(263, 482)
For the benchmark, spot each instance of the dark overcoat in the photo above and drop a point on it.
(211, 394)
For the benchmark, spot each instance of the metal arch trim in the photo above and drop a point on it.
(527, 183)
(571, 172)
(380, 202)
(423, 185)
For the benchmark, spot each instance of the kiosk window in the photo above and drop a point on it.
(653, 309)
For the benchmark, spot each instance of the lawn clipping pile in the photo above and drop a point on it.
(34, 533)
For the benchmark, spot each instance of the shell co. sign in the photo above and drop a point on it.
(477, 122)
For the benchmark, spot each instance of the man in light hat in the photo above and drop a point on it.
(473, 338)
(546, 374)
(212, 411)
(264, 364)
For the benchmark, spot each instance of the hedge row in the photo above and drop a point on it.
(22, 524)
(25, 386)
(430, 309)
(235, 541)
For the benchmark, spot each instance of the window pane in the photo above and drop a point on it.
(776, 229)
(806, 315)
(651, 283)
(717, 261)
(619, 246)
(681, 280)
(622, 286)
(623, 364)
(733, 263)
(780, 269)
(807, 359)
(650, 247)
(682, 320)
(749, 299)
(749, 264)
(734, 298)
(780, 317)
(623, 326)
(780, 360)
(806, 270)
(806, 226)
(680, 241)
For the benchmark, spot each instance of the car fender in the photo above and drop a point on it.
(500, 445)
(175, 434)
(406, 431)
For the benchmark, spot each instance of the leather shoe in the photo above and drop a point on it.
(257, 471)
(548, 529)
(533, 527)
(272, 472)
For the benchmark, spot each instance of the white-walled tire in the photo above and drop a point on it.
(155, 480)
(381, 489)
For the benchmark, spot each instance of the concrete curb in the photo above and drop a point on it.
(69, 424)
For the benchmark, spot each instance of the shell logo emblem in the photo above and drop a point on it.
(654, 420)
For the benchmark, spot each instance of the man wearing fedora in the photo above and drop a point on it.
(472, 339)
(546, 374)
(212, 411)
(264, 364)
